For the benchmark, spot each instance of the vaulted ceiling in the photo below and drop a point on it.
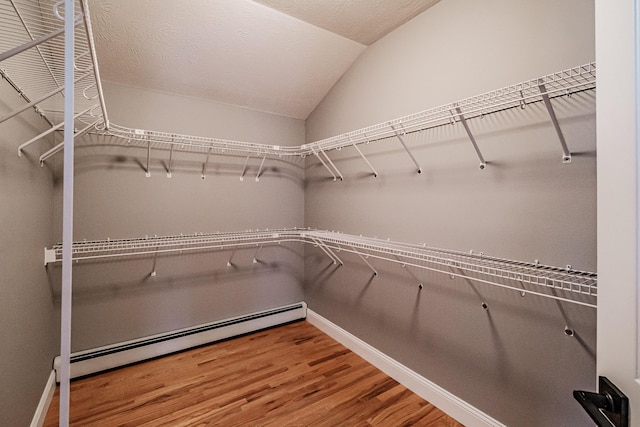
(277, 56)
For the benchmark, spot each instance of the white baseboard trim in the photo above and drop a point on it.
(45, 401)
(447, 402)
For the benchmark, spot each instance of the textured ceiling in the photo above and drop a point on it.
(363, 21)
(241, 52)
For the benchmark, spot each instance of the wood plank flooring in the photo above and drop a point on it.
(292, 375)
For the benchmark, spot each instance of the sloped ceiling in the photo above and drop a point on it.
(276, 56)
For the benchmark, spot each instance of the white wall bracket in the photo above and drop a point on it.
(203, 175)
(483, 164)
(375, 174)
(401, 139)
(566, 154)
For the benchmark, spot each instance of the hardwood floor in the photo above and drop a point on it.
(293, 375)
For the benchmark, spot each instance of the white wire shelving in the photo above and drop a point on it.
(543, 89)
(32, 62)
(31, 58)
(562, 284)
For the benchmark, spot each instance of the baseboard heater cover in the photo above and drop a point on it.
(112, 356)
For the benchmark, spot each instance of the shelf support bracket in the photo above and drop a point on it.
(49, 256)
(334, 258)
(244, 168)
(483, 164)
(413, 276)
(204, 165)
(260, 168)
(335, 178)
(155, 262)
(148, 171)
(169, 167)
(375, 174)
(332, 165)
(60, 146)
(255, 257)
(401, 139)
(375, 273)
(39, 100)
(48, 131)
(566, 154)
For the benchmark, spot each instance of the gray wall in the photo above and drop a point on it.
(512, 361)
(118, 299)
(28, 339)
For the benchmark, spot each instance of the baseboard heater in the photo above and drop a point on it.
(112, 356)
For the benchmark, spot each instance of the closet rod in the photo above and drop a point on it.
(504, 273)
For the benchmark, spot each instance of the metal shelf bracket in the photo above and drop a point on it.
(566, 154)
(401, 139)
(375, 174)
(483, 164)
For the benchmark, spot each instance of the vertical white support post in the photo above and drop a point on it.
(67, 215)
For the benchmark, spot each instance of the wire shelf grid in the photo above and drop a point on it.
(546, 281)
(32, 61)
(561, 83)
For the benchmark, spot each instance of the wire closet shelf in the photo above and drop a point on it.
(32, 62)
(32, 57)
(562, 284)
(561, 83)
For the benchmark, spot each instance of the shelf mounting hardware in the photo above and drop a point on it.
(170, 165)
(332, 165)
(147, 172)
(260, 168)
(566, 154)
(204, 165)
(334, 258)
(244, 168)
(375, 174)
(404, 266)
(335, 178)
(48, 131)
(39, 100)
(60, 146)
(255, 257)
(229, 263)
(483, 164)
(375, 272)
(401, 139)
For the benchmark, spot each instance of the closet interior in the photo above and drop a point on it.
(32, 63)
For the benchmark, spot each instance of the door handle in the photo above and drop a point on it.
(608, 408)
